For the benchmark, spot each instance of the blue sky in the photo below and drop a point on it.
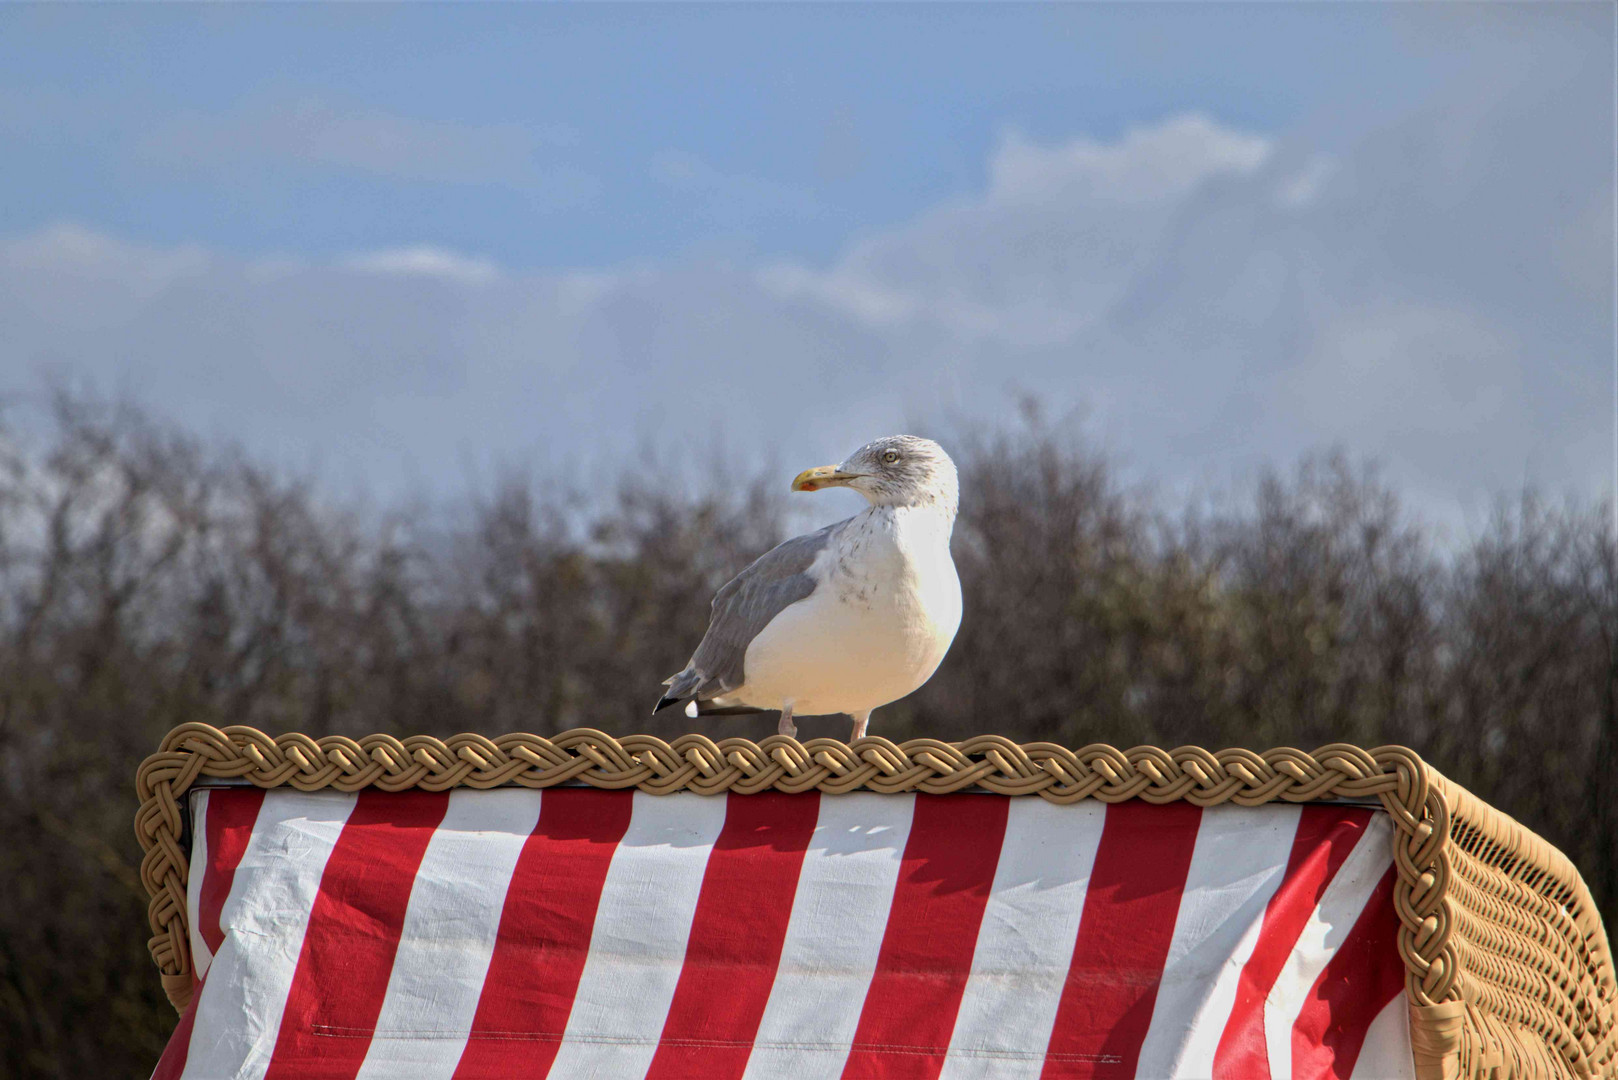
(405, 243)
(572, 124)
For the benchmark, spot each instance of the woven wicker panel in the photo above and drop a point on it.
(1535, 966)
(1508, 970)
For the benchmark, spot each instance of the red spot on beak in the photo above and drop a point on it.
(808, 485)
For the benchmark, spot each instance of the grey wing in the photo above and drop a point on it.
(745, 606)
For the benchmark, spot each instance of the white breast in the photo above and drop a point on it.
(885, 610)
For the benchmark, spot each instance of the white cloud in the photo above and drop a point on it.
(66, 274)
(1304, 186)
(424, 261)
(864, 299)
(68, 248)
(1147, 165)
(1380, 373)
(1046, 249)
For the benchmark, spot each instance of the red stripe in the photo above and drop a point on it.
(172, 1063)
(353, 933)
(544, 934)
(926, 956)
(736, 936)
(1326, 834)
(1360, 979)
(227, 826)
(1123, 942)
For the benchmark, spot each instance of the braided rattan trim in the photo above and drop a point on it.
(1559, 1021)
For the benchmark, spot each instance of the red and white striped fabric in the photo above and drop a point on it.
(581, 933)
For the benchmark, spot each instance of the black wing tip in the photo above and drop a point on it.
(705, 708)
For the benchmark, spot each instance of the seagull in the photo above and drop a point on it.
(844, 619)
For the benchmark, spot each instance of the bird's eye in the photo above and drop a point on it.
(890, 457)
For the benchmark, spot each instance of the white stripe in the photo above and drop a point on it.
(1328, 925)
(1238, 864)
(834, 935)
(448, 933)
(1386, 1053)
(201, 957)
(239, 1012)
(638, 946)
(1025, 943)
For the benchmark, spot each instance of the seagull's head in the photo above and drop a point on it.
(899, 470)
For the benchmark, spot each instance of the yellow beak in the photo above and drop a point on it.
(822, 476)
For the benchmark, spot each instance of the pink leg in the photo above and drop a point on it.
(860, 720)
